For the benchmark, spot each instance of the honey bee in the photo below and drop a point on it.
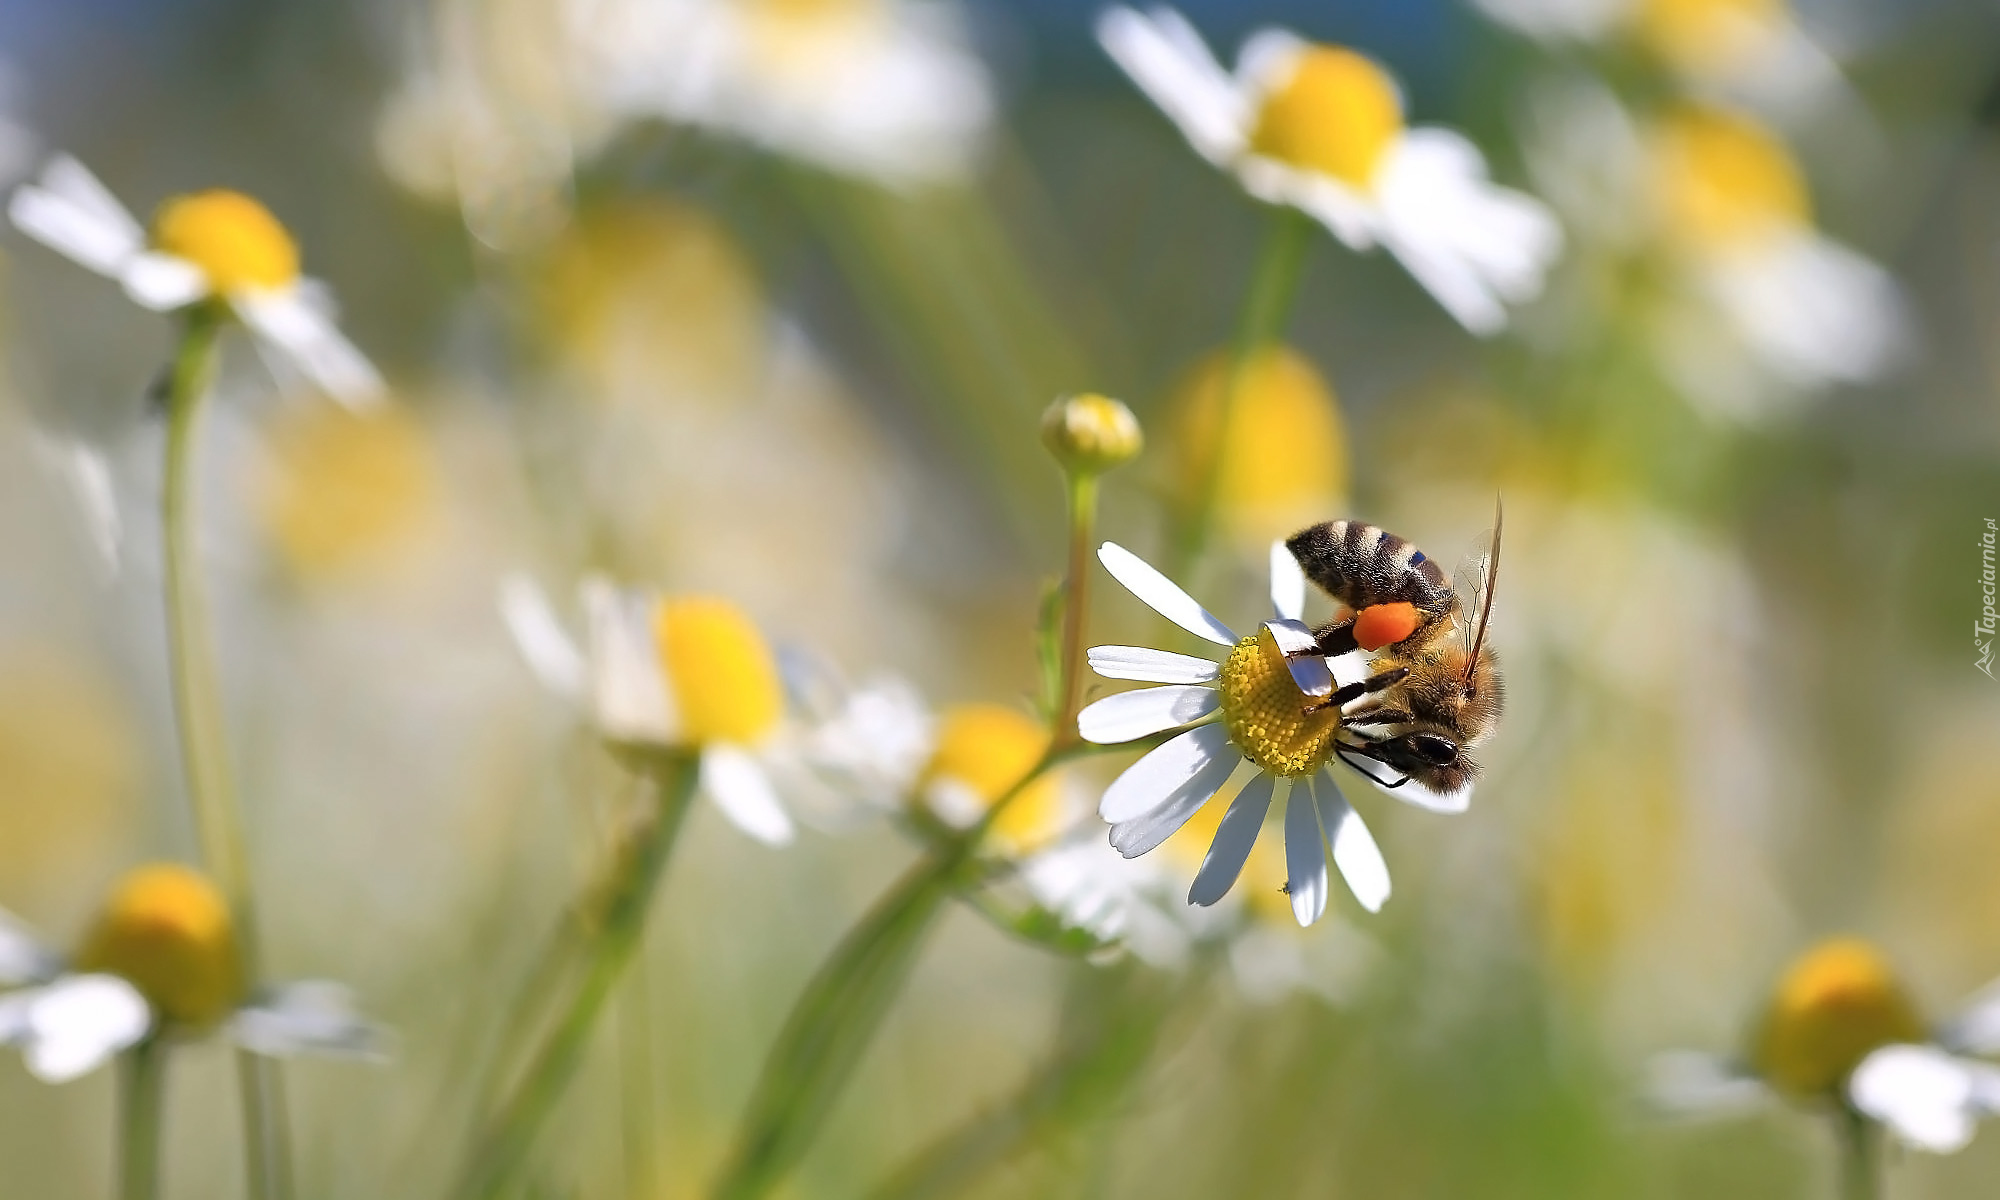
(1434, 690)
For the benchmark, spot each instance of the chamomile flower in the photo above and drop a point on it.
(1269, 710)
(216, 246)
(1320, 128)
(161, 960)
(1840, 1029)
(881, 89)
(689, 673)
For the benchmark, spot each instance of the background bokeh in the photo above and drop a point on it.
(1743, 712)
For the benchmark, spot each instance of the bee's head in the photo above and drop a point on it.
(1431, 757)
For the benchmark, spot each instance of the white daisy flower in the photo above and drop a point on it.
(1267, 704)
(161, 961)
(216, 245)
(1840, 1028)
(1320, 128)
(680, 672)
(881, 89)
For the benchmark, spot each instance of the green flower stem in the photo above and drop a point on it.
(1076, 602)
(1860, 1170)
(637, 1097)
(614, 923)
(1273, 287)
(142, 1082)
(198, 721)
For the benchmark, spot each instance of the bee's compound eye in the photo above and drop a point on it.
(1439, 752)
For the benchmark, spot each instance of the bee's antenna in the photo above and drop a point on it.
(1486, 601)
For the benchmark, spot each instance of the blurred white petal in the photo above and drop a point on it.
(23, 957)
(538, 634)
(1692, 1083)
(1354, 850)
(71, 1026)
(1975, 1028)
(739, 787)
(1162, 595)
(1305, 857)
(1234, 838)
(1150, 666)
(1129, 715)
(1146, 784)
(1554, 20)
(309, 1017)
(1926, 1097)
(1169, 62)
(70, 212)
(1288, 584)
(162, 282)
(1143, 833)
(1814, 311)
(630, 689)
(287, 320)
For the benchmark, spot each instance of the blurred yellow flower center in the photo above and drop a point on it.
(1834, 1005)
(1264, 711)
(166, 930)
(343, 487)
(1706, 35)
(1283, 461)
(1336, 113)
(235, 240)
(988, 748)
(1724, 179)
(719, 670)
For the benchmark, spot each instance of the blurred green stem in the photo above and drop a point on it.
(638, 1105)
(613, 921)
(1860, 1172)
(141, 1095)
(198, 721)
(1076, 601)
(1273, 287)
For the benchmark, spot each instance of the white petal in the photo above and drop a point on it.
(1691, 1083)
(1305, 857)
(1146, 784)
(1416, 794)
(308, 1017)
(1975, 1028)
(1925, 1096)
(538, 634)
(630, 690)
(1169, 62)
(1354, 850)
(162, 282)
(1349, 214)
(1146, 831)
(741, 789)
(1815, 311)
(70, 212)
(23, 958)
(287, 320)
(1131, 715)
(1288, 584)
(1233, 841)
(1162, 595)
(1150, 666)
(1308, 667)
(78, 1022)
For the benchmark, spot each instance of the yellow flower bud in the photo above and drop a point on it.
(1283, 464)
(1725, 179)
(985, 749)
(722, 675)
(1090, 434)
(1835, 1004)
(167, 931)
(235, 240)
(1336, 113)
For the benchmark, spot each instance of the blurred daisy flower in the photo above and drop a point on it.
(1841, 1030)
(161, 960)
(673, 672)
(1767, 308)
(1276, 710)
(216, 246)
(1320, 128)
(881, 89)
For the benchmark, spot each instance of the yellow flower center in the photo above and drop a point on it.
(1336, 113)
(1283, 462)
(987, 749)
(1837, 1003)
(235, 240)
(1706, 36)
(343, 488)
(1725, 179)
(719, 670)
(1264, 711)
(166, 930)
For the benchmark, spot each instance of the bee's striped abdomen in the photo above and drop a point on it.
(1361, 565)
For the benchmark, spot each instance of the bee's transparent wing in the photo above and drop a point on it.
(1473, 583)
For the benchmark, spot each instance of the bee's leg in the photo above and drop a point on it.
(1357, 756)
(1336, 638)
(1379, 715)
(1354, 691)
